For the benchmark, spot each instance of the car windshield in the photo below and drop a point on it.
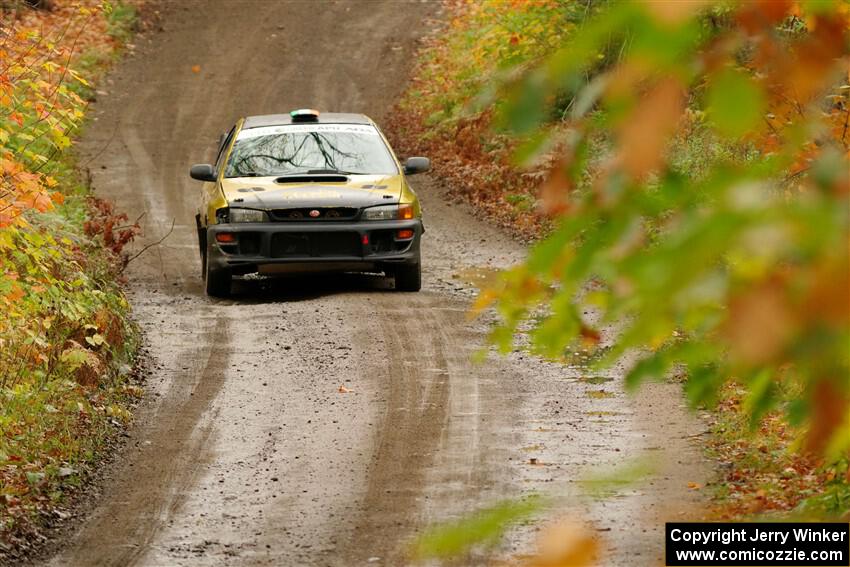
(310, 148)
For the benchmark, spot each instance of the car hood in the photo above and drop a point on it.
(266, 193)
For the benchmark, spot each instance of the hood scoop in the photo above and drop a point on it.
(312, 178)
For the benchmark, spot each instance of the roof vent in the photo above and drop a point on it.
(304, 115)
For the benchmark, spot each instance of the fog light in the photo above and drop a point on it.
(225, 237)
(404, 234)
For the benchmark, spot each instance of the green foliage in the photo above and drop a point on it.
(452, 539)
(482, 43)
(607, 483)
(562, 543)
(121, 20)
(705, 226)
(59, 297)
(90, 63)
(735, 104)
(490, 39)
(834, 502)
(66, 339)
(718, 252)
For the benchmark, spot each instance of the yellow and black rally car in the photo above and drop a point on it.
(305, 192)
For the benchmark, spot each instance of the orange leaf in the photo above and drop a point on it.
(15, 293)
(646, 132)
(759, 324)
(589, 336)
(829, 408)
(566, 544)
(555, 191)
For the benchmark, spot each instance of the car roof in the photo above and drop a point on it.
(324, 118)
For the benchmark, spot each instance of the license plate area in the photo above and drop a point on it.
(315, 244)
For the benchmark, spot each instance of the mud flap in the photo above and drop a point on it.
(202, 236)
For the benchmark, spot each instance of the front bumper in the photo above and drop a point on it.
(312, 246)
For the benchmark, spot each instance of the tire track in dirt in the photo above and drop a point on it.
(413, 423)
(169, 453)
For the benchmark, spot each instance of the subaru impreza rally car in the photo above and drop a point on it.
(305, 192)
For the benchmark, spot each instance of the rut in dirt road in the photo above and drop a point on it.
(246, 452)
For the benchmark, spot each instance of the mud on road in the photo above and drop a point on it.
(245, 451)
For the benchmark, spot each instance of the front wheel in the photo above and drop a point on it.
(217, 281)
(408, 277)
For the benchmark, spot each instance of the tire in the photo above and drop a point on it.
(217, 281)
(408, 277)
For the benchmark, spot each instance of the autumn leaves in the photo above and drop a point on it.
(697, 184)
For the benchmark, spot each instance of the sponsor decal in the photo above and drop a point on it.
(362, 129)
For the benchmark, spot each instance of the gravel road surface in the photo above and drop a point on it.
(245, 451)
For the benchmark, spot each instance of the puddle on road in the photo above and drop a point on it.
(601, 416)
(602, 413)
(478, 276)
(596, 380)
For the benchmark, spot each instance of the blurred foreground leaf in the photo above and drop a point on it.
(452, 539)
(699, 196)
(606, 482)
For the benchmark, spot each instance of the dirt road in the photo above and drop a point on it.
(245, 451)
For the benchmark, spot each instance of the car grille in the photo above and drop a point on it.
(325, 214)
(315, 244)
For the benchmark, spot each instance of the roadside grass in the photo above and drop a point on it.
(67, 342)
(449, 113)
(121, 21)
(90, 63)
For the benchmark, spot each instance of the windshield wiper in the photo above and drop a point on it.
(249, 174)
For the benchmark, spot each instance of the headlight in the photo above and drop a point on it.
(247, 215)
(389, 212)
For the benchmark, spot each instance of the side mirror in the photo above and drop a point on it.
(416, 165)
(203, 172)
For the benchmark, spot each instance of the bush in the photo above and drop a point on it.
(66, 339)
